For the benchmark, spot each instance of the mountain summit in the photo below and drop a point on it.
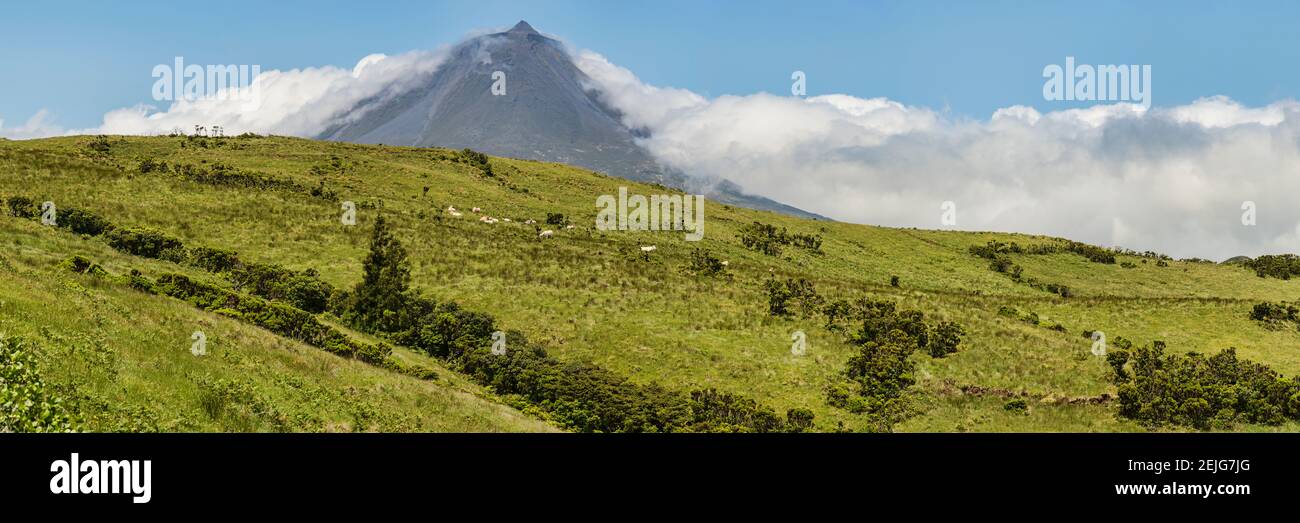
(519, 94)
(523, 27)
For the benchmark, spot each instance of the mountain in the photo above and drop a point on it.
(545, 114)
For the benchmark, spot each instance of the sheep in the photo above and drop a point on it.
(530, 222)
(570, 226)
(647, 248)
(546, 234)
(477, 209)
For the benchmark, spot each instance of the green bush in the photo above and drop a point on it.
(213, 260)
(1275, 314)
(82, 265)
(704, 263)
(799, 291)
(27, 404)
(82, 222)
(477, 159)
(22, 207)
(557, 219)
(1281, 266)
(767, 239)
(148, 243)
(1199, 391)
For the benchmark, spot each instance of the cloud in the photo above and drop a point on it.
(298, 102)
(1171, 180)
(38, 126)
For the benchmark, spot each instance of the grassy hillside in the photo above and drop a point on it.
(586, 295)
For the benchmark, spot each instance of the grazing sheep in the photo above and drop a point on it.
(647, 248)
(725, 263)
(570, 226)
(546, 234)
(477, 209)
(530, 222)
(507, 220)
(456, 214)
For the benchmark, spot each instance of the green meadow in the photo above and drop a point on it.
(122, 357)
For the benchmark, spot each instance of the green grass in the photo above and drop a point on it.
(586, 294)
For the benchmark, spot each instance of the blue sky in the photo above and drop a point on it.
(82, 59)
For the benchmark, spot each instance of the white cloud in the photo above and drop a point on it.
(1171, 180)
(38, 126)
(298, 102)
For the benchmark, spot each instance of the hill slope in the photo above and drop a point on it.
(587, 295)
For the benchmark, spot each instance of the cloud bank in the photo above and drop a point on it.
(1167, 179)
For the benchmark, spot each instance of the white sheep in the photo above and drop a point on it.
(546, 234)
(478, 209)
(530, 222)
(570, 226)
(647, 248)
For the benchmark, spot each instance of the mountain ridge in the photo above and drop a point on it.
(518, 94)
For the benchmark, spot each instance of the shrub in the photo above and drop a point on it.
(555, 218)
(149, 165)
(767, 239)
(148, 243)
(213, 260)
(22, 207)
(945, 338)
(704, 263)
(1199, 391)
(1275, 314)
(800, 291)
(726, 412)
(1091, 252)
(279, 318)
(82, 265)
(82, 222)
(798, 419)
(893, 281)
(477, 159)
(875, 378)
(100, 144)
(1282, 266)
(304, 290)
(27, 404)
(1018, 406)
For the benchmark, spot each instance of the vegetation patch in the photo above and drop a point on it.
(27, 404)
(1199, 391)
(767, 239)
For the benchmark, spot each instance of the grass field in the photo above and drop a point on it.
(586, 294)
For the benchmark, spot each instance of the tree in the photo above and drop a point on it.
(381, 295)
